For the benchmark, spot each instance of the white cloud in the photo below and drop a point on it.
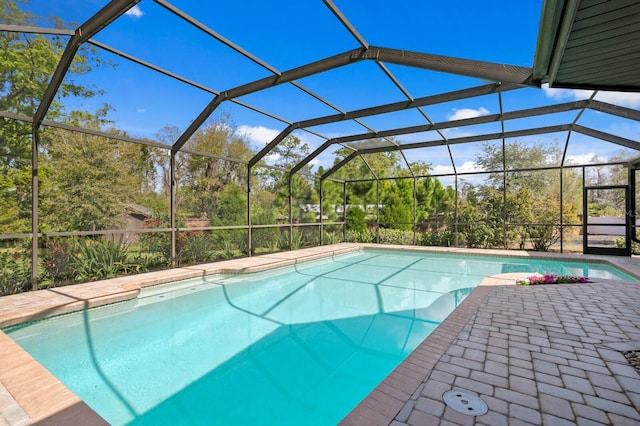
(324, 159)
(462, 113)
(141, 110)
(580, 159)
(258, 134)
(467, 166)
(272, 158)
(565, 94)
(456, 132)
(441, 169)
(630, 100)
(135, 12)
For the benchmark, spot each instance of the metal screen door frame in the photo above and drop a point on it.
(609, 250)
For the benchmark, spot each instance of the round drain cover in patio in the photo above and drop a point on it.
(465, 402)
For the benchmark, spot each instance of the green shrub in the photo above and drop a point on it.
(356, 220)
(297, 239)
(273, 245)
(265, 238)
(15, 272)
(311, 237)
(543, 236)
(57, 259)
(364, 236)
(331, 238)
(156, 245)
(444, 238)
(235, 238)
(149, 261)
(194, 247)
(101, 259)
(621, 243)
(478, 235)
(227, 249)
(395, 236)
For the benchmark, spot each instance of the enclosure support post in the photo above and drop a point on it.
(415, 218)
(561, 213)
(585, 210)
(290, 212)
(504, 192)
(455, 213)
(172, 205)
(249, 210)
(377, 211)
(321, 214)
(631, 180)
(344, 211)
(34, 208)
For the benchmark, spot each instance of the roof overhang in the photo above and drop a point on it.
(589, 44)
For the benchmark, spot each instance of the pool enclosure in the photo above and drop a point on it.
(341, 141)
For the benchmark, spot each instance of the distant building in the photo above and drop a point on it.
(133, 218)
(338, 209)
(136, 217)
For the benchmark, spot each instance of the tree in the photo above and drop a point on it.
(356, 220)
(205, 177)
(473, 227)
(167, 135)
(159, 174)
(433, 200)
(362, 190)
(610, 175)
(528, 208)
(26, 66)
(28, 62)
(332, 197)
(397, 205)
(87, 180)
(287, 154)
(396, 196)
(518, 156)
(233, 206)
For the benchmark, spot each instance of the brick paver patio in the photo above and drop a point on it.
(542, 355)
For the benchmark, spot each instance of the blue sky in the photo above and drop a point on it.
(289, 33)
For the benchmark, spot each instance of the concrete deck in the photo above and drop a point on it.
(535, 355)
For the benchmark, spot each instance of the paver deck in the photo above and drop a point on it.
(536, 355)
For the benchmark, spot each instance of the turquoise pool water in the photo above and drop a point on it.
(292, 346)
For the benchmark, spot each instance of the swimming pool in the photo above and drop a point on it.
(298, 345)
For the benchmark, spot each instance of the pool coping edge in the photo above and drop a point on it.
(399, 391)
